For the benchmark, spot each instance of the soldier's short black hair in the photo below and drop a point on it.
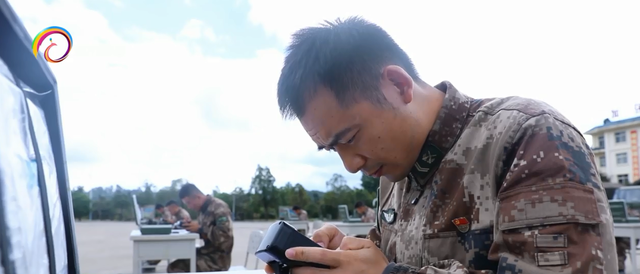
(345, 56)
(159, 206)
(295, 207)
(188, 189)
(359, 204)
(171, 202)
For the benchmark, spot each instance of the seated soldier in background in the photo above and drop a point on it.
(162, 213)
(177, 213)
(302, 214)
(215, 228)
(368, 214)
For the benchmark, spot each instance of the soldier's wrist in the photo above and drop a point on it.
(200, 230)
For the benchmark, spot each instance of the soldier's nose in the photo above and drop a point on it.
(352, 161)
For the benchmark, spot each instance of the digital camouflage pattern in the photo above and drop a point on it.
(502, 186)
(369, 216)
(167, 216)
(217, 233)
(182, 214)
(303, 216)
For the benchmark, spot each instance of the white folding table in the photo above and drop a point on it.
(353, 229)
(163, 247)
(631, 231)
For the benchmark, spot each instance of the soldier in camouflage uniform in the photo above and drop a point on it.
(177, 213)
(499, 185)
(368, 214)
(215, 228)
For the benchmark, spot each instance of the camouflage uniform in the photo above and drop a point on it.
(303, 215)
(216, 229)
(369, 216)
(166, 215)
(502, 186)
(182, 214)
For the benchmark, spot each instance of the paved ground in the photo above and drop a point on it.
(104, 247)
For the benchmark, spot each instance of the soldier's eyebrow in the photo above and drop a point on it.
(336, 138)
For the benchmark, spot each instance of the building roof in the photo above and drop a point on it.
(611, 124)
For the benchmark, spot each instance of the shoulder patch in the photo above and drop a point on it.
(222, 220)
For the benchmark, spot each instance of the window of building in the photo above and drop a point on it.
(603, 161)
(601, 141)
(621, 136)
(621, 158)
(623, 178)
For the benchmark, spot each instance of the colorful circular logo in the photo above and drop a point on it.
(42, 36)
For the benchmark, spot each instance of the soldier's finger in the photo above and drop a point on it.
(268, 269)
(353, 243)
(328, 236)
(314, 255)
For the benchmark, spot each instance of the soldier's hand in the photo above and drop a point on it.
(328, 236)
(354, 255)
(191, 226)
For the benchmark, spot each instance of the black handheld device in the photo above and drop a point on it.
(279, 237)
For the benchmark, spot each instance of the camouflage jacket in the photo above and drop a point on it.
(216, 229)
(369, 216)
(181, 215)
(303, 215)
(502, 186)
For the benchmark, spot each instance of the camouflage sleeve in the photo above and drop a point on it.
(217, 227)
(184, 214)
(552, 214)
(167, 217)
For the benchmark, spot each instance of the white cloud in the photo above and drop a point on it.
(196, 29)
(580, 57)
(138, 104)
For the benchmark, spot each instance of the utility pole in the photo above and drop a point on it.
(233, 210)
(91, 204)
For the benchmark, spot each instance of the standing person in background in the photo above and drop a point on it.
(368, 214)
(302, 214)
(177, 213)
(215, 228)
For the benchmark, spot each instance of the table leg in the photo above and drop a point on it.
(192, 263)
(137, 266)
(633, 253)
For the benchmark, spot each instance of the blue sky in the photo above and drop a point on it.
(162, 89)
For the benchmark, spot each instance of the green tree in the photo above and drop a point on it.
(264, 190)
(81, 203)
(123, 204)
(147, 196)
(369, 183)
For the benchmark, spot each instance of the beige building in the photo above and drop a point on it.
(615, 146)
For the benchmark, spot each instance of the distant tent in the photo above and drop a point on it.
(33, 171)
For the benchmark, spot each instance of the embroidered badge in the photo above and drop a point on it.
(222, 220)
(389, 215)
(462, 224)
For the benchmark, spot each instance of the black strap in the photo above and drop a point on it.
(44, 198)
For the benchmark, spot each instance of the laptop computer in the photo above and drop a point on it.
(146, 228)
(343, 213)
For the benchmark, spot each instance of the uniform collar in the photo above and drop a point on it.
(444, 133)
(206, 204)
